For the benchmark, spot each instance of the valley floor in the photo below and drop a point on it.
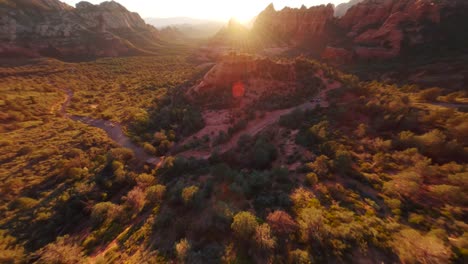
(108, 162)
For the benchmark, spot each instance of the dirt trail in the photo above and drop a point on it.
(256, 126)
(101, 252)
(114, 130)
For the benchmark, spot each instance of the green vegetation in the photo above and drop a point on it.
(381, 173)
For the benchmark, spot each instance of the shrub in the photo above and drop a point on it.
(303, 198)
(300, 257)
(244, 225)
(155, 193)
(189, 193)
(105, 212)
(321, 165)
(311, 178)
(263, 154)
(10, 251)
(282, 223)
(135, 200)
(23, 203)
(263, 238)
(144, 180)
(122, 154)
(405, 184)
(182, 249)
(60, 252)
(415, 218)
(412, 247)
(448, 193)
(311, 224)
(430, 95)
(150, 149)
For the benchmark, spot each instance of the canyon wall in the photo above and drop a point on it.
(294, 25)
(385, 29)
(368, 30)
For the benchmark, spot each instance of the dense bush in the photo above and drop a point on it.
(244, 225)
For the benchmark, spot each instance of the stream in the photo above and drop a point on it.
(113, 129)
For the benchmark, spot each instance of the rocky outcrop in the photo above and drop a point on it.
(337, 55)
(235, 67)
(294, 25)
(341, 9)
(369, 30)
(384, 29)
(52, 28)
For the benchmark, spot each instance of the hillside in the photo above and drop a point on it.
(52, 28)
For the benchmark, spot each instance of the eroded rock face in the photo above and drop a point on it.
(384, 29)
(341, 9)
(294, 25)
(379, 27)
(110, 14)
(52, 28)
(235, 67)
(337, 55)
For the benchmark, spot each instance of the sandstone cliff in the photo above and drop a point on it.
(384, 29)
(294, 25)
(52, 28)
(369, 30)
(341, 9)
(235, 67)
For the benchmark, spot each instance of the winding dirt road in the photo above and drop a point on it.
(258, 125)
(113, 130)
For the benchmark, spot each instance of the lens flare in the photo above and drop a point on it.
(238, 89)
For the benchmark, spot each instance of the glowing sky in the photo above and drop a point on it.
(243, 10)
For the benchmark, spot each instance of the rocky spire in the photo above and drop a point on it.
(270, 8)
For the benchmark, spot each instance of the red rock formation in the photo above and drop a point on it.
(293, 24)
(337, 55)
(234, 67)
(52, 28)
(381, 29)
(341, 9)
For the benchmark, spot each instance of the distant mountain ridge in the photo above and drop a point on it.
(172, 21)
(189, 27)
(53, 28)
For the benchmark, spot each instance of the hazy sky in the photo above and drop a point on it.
(209, 9)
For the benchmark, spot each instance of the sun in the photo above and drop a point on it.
(242, 13)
